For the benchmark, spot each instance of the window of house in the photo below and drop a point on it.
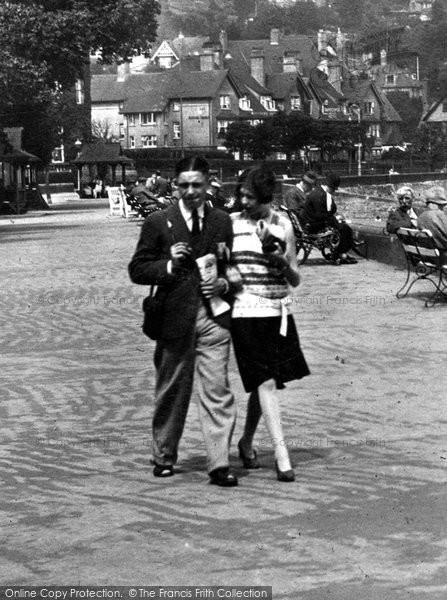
(165, 62)
(244, 103)
(149, 141)
(176, 131)
(222, 127)
(79, 88)
(148, 118)
(121, 130)
(280, 105)
(57, 156)
(176, 106)
(132, 141)
(374, 130)
(444, 107)
(268, 102)
(390, 79)
(295, 103)
(368, 108)
(132, 118)
(224, 101)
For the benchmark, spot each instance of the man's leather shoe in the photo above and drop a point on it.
(223, 477)
(163, 470)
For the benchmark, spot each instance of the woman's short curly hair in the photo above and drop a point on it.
(261, 183)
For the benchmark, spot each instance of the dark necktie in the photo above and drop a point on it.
(195, 231)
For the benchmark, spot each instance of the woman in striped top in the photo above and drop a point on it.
(264, 335)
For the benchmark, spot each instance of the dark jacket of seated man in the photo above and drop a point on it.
(318, 212)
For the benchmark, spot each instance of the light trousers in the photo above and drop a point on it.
(206, 355)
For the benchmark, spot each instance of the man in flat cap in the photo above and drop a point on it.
(434, 218)
(297, 195)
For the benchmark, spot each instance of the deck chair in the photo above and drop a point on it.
(423, 262)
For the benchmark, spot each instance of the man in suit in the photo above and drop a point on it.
(193, 339)
(434, 218)
(319, 212)
(296, 197)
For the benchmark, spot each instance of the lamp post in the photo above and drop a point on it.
(357, 111)
(78, 146)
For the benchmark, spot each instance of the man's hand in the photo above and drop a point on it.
(179, 252)
(214, 288)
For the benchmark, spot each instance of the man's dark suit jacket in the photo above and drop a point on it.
(314, 214)
(181, 289)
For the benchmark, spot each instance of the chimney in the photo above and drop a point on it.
(207, 60)
(274, 37)
(223, 39)
(123, 71)
(257, 65)
(322, 41)
(383, 58)
(218, 55)
(340, 43)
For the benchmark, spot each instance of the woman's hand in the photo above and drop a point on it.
(214, 287)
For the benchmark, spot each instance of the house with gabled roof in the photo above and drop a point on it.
(191, 99)
(375, 110)
(436, 114)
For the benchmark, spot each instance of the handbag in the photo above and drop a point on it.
(153, 313)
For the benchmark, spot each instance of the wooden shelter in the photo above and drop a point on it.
(103, 158)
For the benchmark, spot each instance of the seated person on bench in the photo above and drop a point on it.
(404, 215)
(318, 213)
(296, 197)
(434, 218)
(142, 194)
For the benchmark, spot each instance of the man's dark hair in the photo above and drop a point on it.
(193, 163)
(333, 181)
(259, 181)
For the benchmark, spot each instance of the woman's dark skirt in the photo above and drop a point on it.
(263, 354)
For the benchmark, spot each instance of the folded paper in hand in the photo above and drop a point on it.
(208, 272)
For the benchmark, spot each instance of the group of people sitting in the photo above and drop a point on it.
(313, 203)
(433, 218)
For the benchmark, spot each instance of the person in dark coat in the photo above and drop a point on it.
(195, 337)
(404, 215)
(296, 196)
(319, 212)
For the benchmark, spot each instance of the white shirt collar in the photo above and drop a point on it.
(187, 213)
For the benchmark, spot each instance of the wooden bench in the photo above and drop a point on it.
(424, 262)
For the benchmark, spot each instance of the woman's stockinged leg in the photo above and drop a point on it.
(269, 402)
(251, 423)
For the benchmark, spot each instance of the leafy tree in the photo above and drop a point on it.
(61, 34)
(262, 140)
(46, 46)
(410, 109)
(238, 137)
(292, 132)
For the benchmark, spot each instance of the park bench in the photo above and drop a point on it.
(424, 262)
